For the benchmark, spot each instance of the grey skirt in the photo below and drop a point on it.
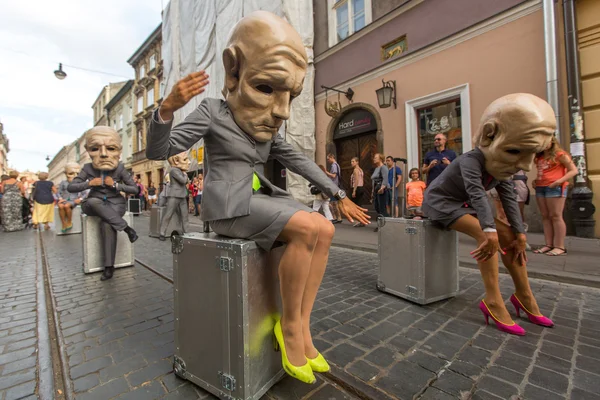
(268, 216)
(444, 219)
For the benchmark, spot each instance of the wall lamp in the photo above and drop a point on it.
(386, 94)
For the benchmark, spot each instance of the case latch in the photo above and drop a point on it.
(176, 244)
(225, 263)
(410, 230)
(227, 381)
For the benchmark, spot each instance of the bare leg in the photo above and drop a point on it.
(517, 272)
(315, 276)
(469, 225)
(555, 213)
(301, 234)
(500, 214)
(62, 212)
(68, 215)
(547, 222)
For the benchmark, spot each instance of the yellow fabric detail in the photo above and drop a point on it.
(255, 182)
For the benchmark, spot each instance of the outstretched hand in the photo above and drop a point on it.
(351, 211)
(183, 91)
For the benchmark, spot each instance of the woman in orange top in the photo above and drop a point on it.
(414, 192)
(555, 168)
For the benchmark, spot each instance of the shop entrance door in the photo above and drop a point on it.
(364, 147)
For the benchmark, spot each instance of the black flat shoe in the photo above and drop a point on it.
(131, 234)
(108, 273)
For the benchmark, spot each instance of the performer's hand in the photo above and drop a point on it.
(109, 181)
(351, 211)
(96, 182)
(183, 91)
(519, 246)
(488, 248)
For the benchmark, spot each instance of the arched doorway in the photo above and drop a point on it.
(356, 132)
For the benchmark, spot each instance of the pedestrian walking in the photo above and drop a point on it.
(321, 200)
(43, 201)
(12, 203)
(380, 186)
(334, 174)
(555, 168)
(357, 181)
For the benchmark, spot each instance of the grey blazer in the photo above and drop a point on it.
(231, 157)
(465, 180)
(121, 177)
(178, 183)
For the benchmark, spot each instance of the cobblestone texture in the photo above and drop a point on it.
(18, 316)
(119, 335)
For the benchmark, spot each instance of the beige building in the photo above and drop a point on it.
(4, 149)
(147, 63)
(119, 111)
(588, 35)
(56, 166)
(106, 94)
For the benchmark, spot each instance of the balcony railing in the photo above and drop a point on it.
(139, 156)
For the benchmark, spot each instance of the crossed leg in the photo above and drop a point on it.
(469, 225)
(301, 269)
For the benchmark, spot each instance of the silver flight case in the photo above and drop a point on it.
(156, 214)
(93, 259)
(75, 219)
(226, 304)
(418, 260)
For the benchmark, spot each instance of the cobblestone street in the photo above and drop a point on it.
(116, 338)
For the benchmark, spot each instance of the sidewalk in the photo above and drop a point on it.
(581, 266)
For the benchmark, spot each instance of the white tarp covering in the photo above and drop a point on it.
(194, 36)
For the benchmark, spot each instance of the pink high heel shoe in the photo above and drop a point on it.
(513, 329)
(536, 319)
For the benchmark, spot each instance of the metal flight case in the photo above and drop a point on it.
(226, 305)
(156, 214)
(75, 220)
(418, 260)
(93, 260)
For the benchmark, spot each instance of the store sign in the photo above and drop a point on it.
(355, 122)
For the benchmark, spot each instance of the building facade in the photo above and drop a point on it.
(445, 60)
(588, 35)
(99, 106)
(4, 149)
(119, 111)
(147, 63)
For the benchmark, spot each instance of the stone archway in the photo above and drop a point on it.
(330, 145)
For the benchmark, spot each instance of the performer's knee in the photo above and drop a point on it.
(326, 229)
(306, 230)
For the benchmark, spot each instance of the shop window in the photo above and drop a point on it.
(443, 118)
(347, 17)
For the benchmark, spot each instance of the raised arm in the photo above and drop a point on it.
(127, 184)
(164, 142)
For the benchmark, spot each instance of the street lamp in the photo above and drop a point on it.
(48, 157)
(59, 73)
(386, 94)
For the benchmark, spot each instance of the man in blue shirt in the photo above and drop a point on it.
(389, 161)
(437, 160)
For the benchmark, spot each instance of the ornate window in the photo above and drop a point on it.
(150, 101)
(347, 17)
(152, 62)
(140, 103)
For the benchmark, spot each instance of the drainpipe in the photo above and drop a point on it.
(551, 61)
(582, 209)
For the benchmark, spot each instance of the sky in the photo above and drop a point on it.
(40, 113)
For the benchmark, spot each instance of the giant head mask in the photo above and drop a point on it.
(72, 170)
(265, 64)
(180, 161)
(103, 144)
(511, 131)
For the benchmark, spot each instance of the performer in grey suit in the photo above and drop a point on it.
(106, 178)
(176, 196)
(265, 65)
(512, 130)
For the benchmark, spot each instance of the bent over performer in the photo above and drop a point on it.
(106, 178)
(512, 130)
(265, 65)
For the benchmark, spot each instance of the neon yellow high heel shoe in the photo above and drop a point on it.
(318, 364)
(303, 373)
